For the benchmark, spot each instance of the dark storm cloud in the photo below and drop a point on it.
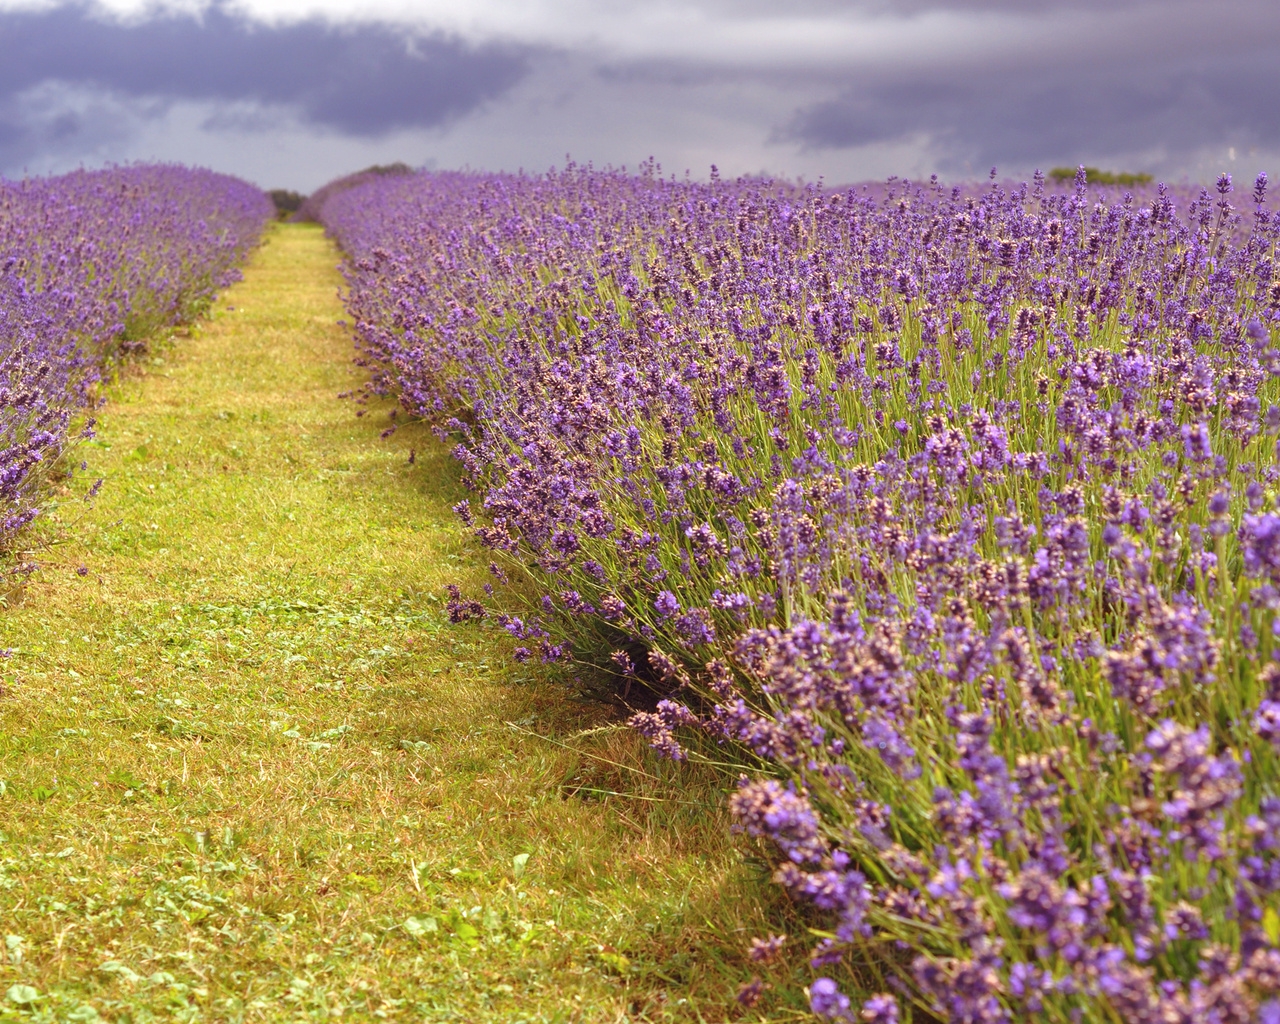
(1181, 80)
(1015, 117)
(810, 86)
(364, 79)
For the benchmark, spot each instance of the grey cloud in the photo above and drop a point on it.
(909, 7)
(1169, 98)
(841, 88)
(733, 9)
(49, 122)
(358, 79)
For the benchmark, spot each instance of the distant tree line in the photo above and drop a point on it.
(1097, 177)
(287, 201)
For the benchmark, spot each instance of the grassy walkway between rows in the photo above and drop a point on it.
(251, 772)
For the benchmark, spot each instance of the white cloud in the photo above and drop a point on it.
(816, 38)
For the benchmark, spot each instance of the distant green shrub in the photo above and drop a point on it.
(1097, 177)
(286, 201)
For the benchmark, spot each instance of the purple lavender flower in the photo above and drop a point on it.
(779, 813)
(1266, 722)
(826, 1000)
(1260, 544)
(1184, 921)
(879, 734)
(766, 950)
(1206, 785)
(666, 604)
(696, 627)
(659, 727)
(1196, 443)
(879, 1009)
(749, 993)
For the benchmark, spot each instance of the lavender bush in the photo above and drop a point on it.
(956, 508)
(91, 263)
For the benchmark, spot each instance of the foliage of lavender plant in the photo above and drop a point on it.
(309, 207)
(91, 263)
(956, 507)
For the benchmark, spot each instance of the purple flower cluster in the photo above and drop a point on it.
(90, 264)
(957, 505)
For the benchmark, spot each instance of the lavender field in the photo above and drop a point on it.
(94, 263)
(937, 527)
(948, 514)
(249, 770)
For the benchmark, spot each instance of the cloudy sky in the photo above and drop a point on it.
(290, 93)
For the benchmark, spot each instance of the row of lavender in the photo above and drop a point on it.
(956, 508)
(91, 263)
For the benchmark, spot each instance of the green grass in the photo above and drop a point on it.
(251, 772)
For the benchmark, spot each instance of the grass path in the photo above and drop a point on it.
(250, 771)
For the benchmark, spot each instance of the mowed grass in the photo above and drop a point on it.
(251, 772)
